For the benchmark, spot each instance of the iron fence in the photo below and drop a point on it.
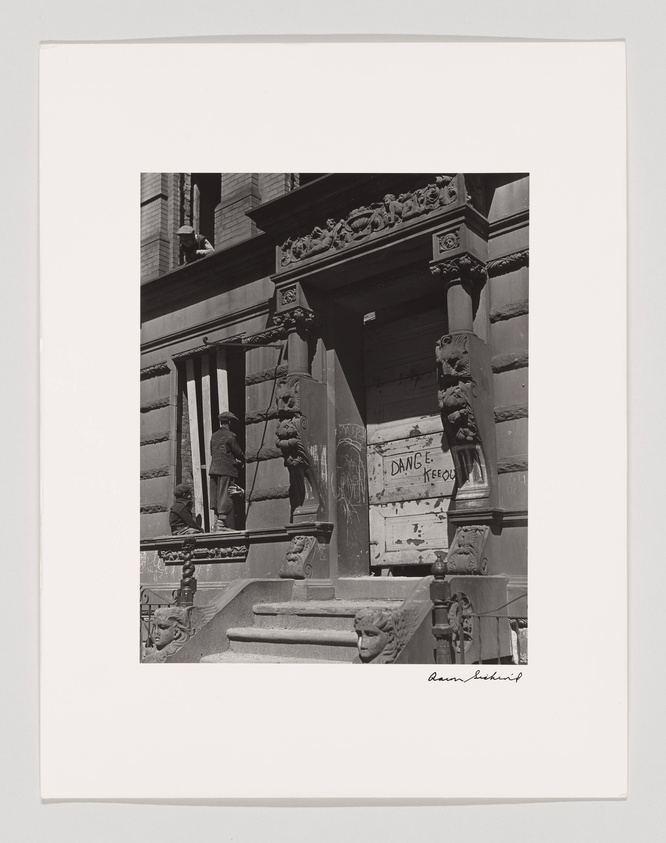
(149, 601)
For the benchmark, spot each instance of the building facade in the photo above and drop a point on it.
(370, 332)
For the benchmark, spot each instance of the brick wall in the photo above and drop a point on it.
(155, 242)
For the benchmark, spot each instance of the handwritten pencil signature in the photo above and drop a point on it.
(488, 677)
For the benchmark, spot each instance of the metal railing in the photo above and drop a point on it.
(458, 628)
(149, 601)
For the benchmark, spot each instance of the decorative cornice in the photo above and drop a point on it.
(204, 328)
(155, 405)
(510, 412)
(150, 508)
(155, 371)
(512, 360)
(151, 473)
(510, 310)
(193, 352)
(367, 220)
(512, 222)
(508, 263)
(154, 438)
(465, 267)
(266, 375)
(271, 493)
(509, 465)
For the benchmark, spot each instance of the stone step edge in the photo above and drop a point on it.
(258, 634)
(319, 608)
(230, 656)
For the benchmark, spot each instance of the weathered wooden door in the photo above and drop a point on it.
(410, 476)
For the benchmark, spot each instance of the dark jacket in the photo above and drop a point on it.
(189, 253)
(224, 453)
(181, 515)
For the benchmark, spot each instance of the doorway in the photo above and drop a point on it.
(411, 475)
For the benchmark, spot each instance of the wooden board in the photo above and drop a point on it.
(194, 439)
(410, 475)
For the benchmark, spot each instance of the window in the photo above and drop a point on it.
(208, 384)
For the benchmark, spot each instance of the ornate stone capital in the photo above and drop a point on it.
(462, 269)
(298, 319)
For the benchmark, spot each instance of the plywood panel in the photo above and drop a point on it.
(410, 476)
(409, 469)
(410, 532)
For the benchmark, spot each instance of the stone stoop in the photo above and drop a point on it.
(310, 631)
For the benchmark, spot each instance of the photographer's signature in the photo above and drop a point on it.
(488, 677)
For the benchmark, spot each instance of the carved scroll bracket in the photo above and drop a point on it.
(467, 552)
(298, 560)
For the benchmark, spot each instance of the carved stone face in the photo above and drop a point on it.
(164, 633)
(169, 626)
(371, 641)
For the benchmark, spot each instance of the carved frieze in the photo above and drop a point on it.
(466, 554)
(297, 563)
(366, 220)
(508, 263)
(155, 371)
(237, 553)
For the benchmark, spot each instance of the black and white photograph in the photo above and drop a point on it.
(334, 418)
(289, 409)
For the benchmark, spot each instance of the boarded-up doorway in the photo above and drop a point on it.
(410, 475)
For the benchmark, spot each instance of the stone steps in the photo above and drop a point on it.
(314, 614)
(258, 658)
(317, 644)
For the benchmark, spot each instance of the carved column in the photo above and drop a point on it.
(188, 582)
(301, 405)
(466, 403)
(465, 386)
